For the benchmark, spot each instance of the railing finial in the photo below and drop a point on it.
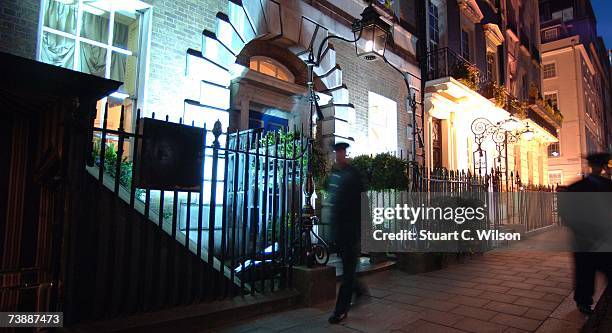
(216, 131)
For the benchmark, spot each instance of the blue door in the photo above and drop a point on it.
(266, 121)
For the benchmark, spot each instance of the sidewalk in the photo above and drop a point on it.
(500, 291)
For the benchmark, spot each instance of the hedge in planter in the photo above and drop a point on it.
(382, 172)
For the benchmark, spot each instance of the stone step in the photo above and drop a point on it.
(200, 317)
(364, 267)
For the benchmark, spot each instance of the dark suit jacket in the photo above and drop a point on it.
(586, 210)
(345, 187)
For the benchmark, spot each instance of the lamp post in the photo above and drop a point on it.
(501, 133)
(370, 37)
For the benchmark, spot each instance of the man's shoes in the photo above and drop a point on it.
(585, 309)
(337, 318)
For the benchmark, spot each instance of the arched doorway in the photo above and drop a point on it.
(271, 93)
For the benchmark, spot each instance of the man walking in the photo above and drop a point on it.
(345, 189)
(586, 211)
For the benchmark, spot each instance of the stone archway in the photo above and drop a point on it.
(246, 21)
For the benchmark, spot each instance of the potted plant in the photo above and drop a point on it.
(499, 94)
(534, 92)
(466, 74)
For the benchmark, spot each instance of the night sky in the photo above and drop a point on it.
(603, 10)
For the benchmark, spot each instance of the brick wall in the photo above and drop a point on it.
(378, 77)
(176, 27)
(19, 27)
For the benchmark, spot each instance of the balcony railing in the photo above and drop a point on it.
(445, 62)
(555, 30)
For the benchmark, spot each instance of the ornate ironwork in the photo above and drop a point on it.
(483, 128)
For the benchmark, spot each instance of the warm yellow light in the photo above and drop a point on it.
(528, 134)
(512, 124)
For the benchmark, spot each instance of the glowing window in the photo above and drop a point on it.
(382, 124)
(271, 67)
(553, 98)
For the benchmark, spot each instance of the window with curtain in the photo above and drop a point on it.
(98, 37)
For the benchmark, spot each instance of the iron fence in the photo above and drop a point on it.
(243, 222)
(512, 204)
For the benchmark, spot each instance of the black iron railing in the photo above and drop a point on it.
(444, 62)
(243, 222)
(511, 200)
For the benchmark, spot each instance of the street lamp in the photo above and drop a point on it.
(373, 32)
(527, 134)
(501, 133)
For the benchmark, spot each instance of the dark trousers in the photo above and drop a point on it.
(349, 284)
(587, 263)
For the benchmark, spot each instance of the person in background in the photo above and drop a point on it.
(588, 216)
(345, 187)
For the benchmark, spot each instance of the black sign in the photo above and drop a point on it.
(169, 156)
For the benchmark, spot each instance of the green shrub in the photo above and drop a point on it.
(363, 164)
(110, 163)
(388, 172)
(382, 172)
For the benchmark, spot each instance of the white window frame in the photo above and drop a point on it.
(144, 43)
(554, 64)
(551, 34)
(433, 13)
(559, 151)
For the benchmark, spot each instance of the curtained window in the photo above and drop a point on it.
(98, 37)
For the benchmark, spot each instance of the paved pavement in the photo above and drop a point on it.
(500, 291)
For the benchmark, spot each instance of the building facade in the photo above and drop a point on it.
(576, 78)
(242, 62)
(483, 61)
